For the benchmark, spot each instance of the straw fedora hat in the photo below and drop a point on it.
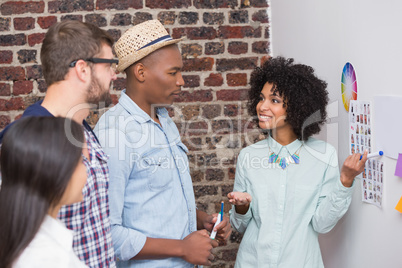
(140, 41)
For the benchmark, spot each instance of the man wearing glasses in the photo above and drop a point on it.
(78, 67)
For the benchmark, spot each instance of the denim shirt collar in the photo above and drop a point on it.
(138, 114)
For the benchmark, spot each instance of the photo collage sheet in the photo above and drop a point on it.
(360, 140)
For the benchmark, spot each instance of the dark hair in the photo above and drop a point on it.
(305, 96)
(38, 158)
(68, 41)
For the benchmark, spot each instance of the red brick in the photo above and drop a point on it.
(121, 19)
(195, 33)
(12, 104)
(191, 80)
(260, 47)
(167, 4)
(191, 50)
(12, 40)
(20, 7)
(29, 100)
(260, 16)
(238, 16)
(228, 32)
(231, 110)
(196, 128)
(259, 3)
(5, 24)
(225, 126)
(42, 87)
(188, 17)
(118, 4)
(214, 80)
(215, 4)
(27, 56)
(237, 48)
(211, 111)
(235, 80)
(167, 17)
(223, 65)
(214, 175)
(4, 121)
(266, 34)
(190, 111)
(140, 17)
(36, 38)
(6, 56)
(5, 89)
(96, 19)
(214, 48)
(34, 72)
(22, 87)
(197, 95)
(119, 84)
(46, 22)
(212, 18)
(201, 191)
(24, 24)
(71, 17)
(115, 98)
(68, 6)
(114, 33)
(232, 94)
(12, 73)
(264, 59)
(199, 64)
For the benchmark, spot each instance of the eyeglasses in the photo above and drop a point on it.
(113, 62)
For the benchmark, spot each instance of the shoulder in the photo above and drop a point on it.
(321, 150)
(116, 117)
(316, 144)
(260, 147)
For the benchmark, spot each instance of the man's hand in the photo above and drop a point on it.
(197, 248)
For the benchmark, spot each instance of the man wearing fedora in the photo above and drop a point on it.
(152, 206)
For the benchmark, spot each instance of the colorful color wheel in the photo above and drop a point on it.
(349, 85)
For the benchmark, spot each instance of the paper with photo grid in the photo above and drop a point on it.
(360, 139)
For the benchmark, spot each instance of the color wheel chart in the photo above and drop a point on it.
(349, 85)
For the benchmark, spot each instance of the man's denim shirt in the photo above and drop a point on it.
(151, 192)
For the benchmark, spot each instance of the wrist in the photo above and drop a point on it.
(346, 181)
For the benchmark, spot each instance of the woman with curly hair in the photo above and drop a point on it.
(288, 188)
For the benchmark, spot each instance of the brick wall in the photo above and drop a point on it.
(224, 41)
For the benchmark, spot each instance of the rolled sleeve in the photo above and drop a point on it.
(334, 200)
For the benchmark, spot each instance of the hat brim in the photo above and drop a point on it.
(125, 62)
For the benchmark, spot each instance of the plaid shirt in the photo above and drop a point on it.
(90, 218)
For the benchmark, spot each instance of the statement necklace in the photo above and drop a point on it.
(284, 161)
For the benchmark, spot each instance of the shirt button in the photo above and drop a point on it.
(282, 185)
(280, 206)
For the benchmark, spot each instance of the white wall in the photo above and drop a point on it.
(327, 34)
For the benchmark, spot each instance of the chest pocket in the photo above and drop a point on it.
(159, 168)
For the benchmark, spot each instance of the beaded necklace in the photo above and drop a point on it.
(284, 161)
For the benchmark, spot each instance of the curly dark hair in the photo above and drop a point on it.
(305, 96)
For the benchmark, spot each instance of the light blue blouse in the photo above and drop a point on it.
(290, 206)
(151, 192)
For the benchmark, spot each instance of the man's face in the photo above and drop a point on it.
(102, 77)
(163, 76)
